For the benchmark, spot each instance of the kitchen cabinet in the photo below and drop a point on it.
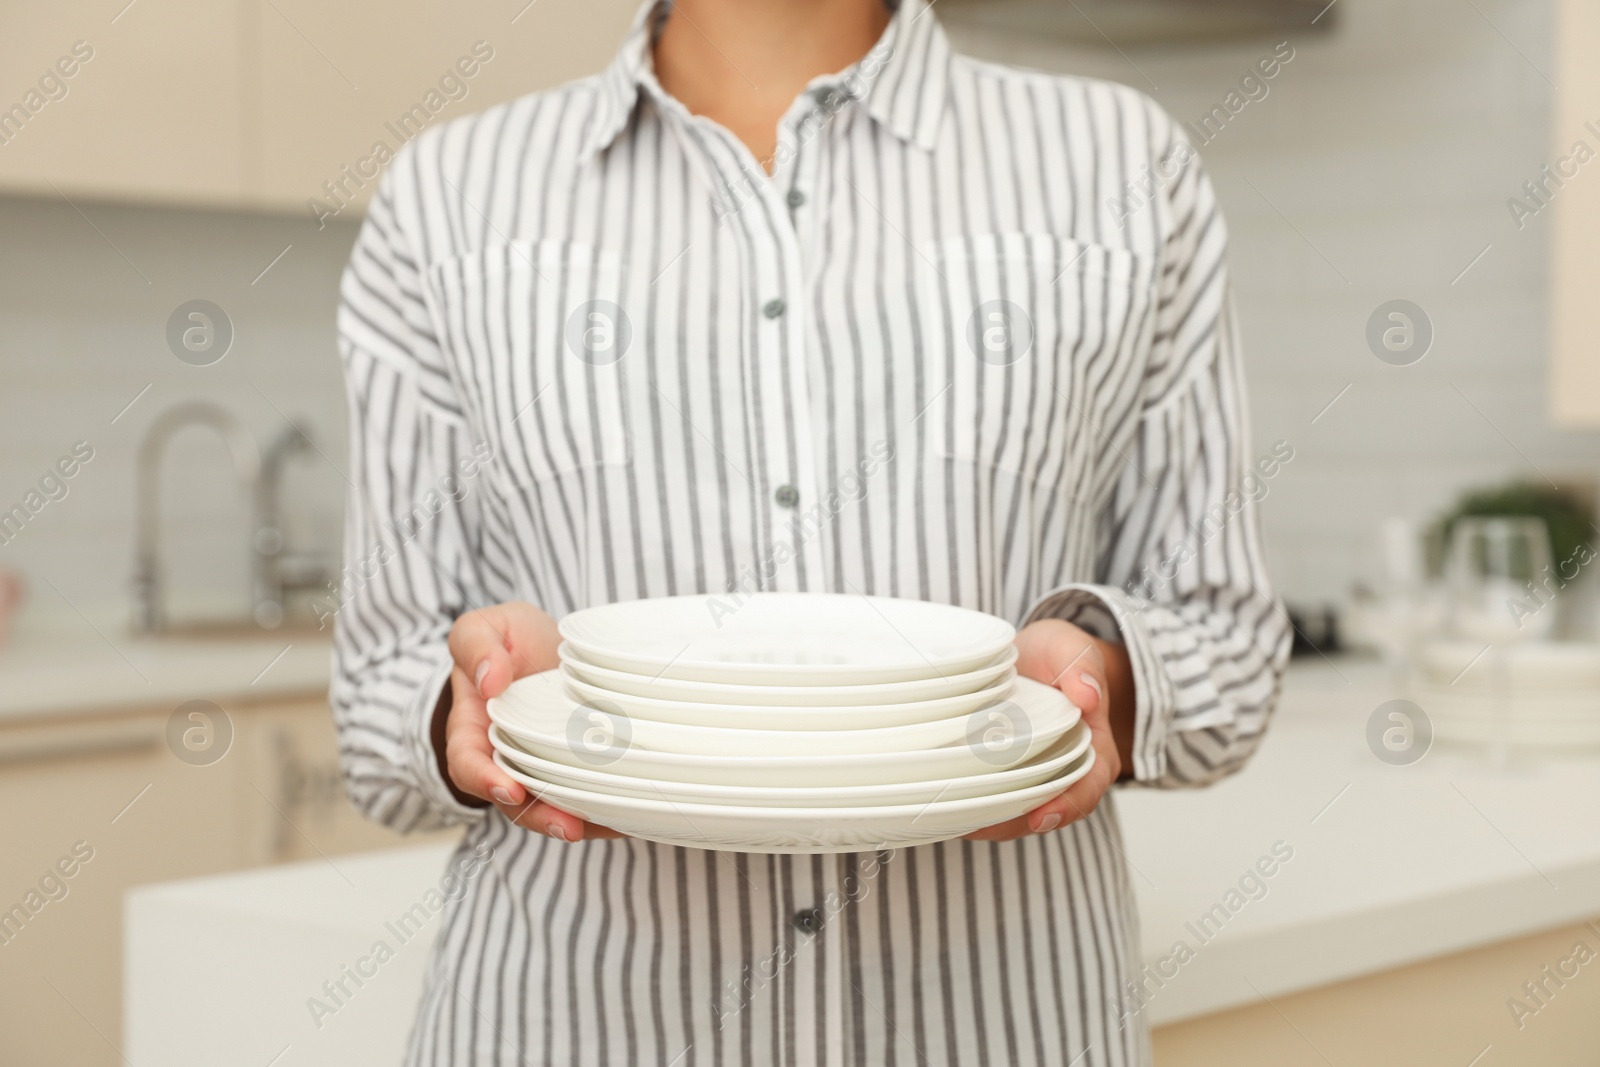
(258, 103)
(1439, 1013)
(141, 103)
(365, 78)
(104, 796)
(1573, 199)
(289, 801)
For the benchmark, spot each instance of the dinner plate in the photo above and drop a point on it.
(599, 737)
(746, 828)
(541, 700)
(1521, 716)
(996, 669)
(787, 639)
(530, 770)
(1542, 665)
(778, 717)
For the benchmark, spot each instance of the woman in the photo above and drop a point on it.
(790, 297)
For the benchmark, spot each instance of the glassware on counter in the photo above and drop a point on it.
(1496, 569)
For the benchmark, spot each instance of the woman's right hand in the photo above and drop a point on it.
(492, 648)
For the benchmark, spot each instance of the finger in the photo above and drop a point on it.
(1021, 826)
(1047, 817)
(1048, 649)
(1061, 655)
(1085, 687)
(1082, 678)
(475, 772)
(549, 820)
(469, 756)
(1079, 799)
(500, 644)
(1074, 804)
(1009, 830)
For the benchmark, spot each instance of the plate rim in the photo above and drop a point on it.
(1007, 684)
(1005, 658)
(1074, 715)
(565, 626)
(1070, 756)
(883, 811)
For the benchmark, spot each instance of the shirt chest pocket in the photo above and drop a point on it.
(1050, 335)
(540, 339)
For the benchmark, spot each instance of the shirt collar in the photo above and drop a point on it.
(902, 81)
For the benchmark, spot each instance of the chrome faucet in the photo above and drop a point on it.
(149, 613)
(278, 570)
(273, 570)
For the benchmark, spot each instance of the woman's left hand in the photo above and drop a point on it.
(1094, 675)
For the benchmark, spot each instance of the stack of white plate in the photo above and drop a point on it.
(775, 722)
(1539, 694)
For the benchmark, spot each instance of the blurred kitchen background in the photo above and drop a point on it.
(1382, 162)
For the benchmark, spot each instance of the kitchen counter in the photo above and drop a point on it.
(1385, 865)
(79, 673)
(1391, 864)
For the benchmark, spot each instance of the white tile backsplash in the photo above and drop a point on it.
(1391, 146)
(82, 332)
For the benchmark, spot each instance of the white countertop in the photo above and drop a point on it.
(1390, 865)
(111, 670)
(220, 970)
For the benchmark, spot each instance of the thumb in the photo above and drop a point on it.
(1086, 687)
(494, 671)
(496, 646)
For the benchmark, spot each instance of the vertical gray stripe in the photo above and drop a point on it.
(1064, 473)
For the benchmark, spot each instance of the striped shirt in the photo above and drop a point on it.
(969, 343)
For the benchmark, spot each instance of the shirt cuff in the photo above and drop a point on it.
(419, 745)
(1112, 615)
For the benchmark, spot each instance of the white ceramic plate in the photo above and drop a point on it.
(542, 704)
(835, 696)
(744, 828)
(599, 738)
(1483, 731)
(786, 638)
(773, 717)
(1527, 716)
(1542, 665)
(530, 770)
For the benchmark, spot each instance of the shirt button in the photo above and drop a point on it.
(787, 496)
(808, 921)
(796, 198)
(774, 308)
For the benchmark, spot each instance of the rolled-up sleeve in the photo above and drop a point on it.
(1180, 578)
(410, 523)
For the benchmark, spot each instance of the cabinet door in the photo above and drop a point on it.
(259, 103)
(343, 84)
(115, 788)
(1575, 222)
(111, 789)
(291, 803)
(152, 108)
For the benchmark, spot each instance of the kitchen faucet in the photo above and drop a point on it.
(273, 570)
(278, 570)
(148, 609)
